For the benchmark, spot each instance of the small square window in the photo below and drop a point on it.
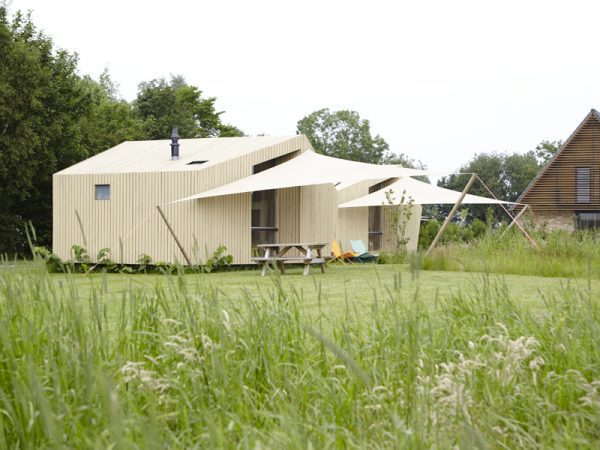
(103, 192)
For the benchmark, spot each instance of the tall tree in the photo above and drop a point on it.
(160, 104)
(41, 101)
(343, 134)
(110, 120)
(545, 150)
(506, 175)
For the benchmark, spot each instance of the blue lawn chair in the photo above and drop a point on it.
(362, 254)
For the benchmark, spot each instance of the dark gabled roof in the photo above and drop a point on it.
(592, 113)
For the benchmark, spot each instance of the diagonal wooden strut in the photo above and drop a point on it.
(185, 255)
(531, 240)
(515, 219)
(449, 217)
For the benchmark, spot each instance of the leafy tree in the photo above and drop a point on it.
(404, 161)
(160, 104)
(41, 101)
(546, 150)
(506, 175)
(110, 120)
(226, 130)
(519, 170)
(343, 134)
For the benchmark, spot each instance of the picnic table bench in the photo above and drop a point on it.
(275, 254)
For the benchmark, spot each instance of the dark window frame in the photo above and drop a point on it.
(102, 192)
(584, 219)
(583, 185)
(267, 228)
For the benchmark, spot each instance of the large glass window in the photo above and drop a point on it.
(587, 220)
(584, 182)
(264, 223)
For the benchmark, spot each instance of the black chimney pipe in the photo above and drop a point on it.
(174, 144)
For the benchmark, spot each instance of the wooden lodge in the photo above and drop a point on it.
(566, 192)
(110, 201)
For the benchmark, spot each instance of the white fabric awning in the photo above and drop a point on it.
(306, 169)
(421, 194)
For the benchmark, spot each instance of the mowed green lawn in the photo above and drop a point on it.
(339, 287)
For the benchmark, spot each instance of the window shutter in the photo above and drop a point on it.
(584, 179)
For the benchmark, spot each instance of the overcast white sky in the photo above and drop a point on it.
(439, 80)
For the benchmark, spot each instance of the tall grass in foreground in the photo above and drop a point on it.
(183, 367)
(561, 254)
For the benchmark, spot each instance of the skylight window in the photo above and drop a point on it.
(196, 162)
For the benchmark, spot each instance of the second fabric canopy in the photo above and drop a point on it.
(421, 193)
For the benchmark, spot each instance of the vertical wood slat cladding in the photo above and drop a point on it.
(131, 212)
(411, 232)
(318, 213)
(556, 187)
(288, 216)
(353, 223)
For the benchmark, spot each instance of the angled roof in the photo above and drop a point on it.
(155, 156)
(593, 113)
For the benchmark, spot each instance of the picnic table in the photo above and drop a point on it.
(275, 254)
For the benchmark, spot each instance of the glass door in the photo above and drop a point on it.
(264, 217)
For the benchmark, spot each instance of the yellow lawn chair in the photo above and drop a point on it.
(337, 255)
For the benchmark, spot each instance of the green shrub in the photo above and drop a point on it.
(478, 228)
(143, 262)
(80, 254)
(218, 260)
(52, 261)
(165, 267)
(428, 232)
(103, 259)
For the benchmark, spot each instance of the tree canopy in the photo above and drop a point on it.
(507, 175)
(545, 150)
(161, 104)
(41, 103)
(343, 134)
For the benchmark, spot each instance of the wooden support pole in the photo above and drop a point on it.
(531, 240)
(450, 215)
(185, 255)
(81, 228)
(517, 217)
(120, 250)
